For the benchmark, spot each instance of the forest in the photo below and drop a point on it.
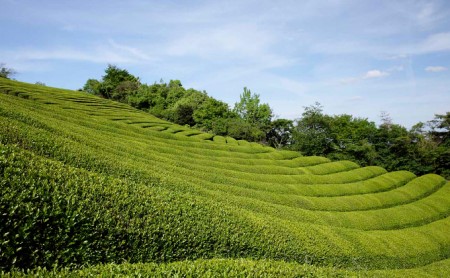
(422, 149)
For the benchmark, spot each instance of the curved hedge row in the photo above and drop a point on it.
(62, 216)
(88, 181)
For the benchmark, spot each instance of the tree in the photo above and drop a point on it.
(392, 143)
(211, 113)
(312, 134)
(280, 133)
(440, 129)
(182, 112)
(386, 120)
(124, 89)
(239, 129)
(174, 93)
(116, 84)
(92, 86)
(112, 79)
(6, 72)
(142, 98)
(253, 112)
(440, 135)
(352, 139)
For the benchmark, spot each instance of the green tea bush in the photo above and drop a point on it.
(220, 139)
(86, 181)
(204, 136)
(331, 167)
(231, 141)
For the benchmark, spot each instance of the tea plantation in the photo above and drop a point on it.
(94, 187)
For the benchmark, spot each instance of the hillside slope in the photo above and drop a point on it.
(88, 181)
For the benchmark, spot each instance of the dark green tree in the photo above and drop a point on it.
(240, 129)
(440, 135)
(114, 77)
(182, 112)
(211, 114)
(280, 133)
(312, 133)
(92, 86)
(6, 72)
(352, 139)
(142, 98)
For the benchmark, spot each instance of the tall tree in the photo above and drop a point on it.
(252, 112)
(312, 134)
(440, 128)
(352, 139)
(440, 134)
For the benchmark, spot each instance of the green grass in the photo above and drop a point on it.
(94, 187)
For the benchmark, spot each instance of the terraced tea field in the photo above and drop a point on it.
(95, 187)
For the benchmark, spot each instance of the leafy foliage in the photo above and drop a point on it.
(252, 111)
(389, 145)
(280, 133)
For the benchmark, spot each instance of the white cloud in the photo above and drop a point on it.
(369, 75)
(110, 52)
(435, 69)
(375, 74)
(436, 42)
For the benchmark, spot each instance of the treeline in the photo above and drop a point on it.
(249, 119)
(425, 148)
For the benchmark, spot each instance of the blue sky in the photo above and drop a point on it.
(354, 57)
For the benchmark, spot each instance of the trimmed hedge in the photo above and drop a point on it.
(87, 181)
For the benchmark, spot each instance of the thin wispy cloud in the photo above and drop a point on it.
(435, 68)
(435, 43)
(108, 52)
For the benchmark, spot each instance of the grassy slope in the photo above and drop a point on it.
(122, 185)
